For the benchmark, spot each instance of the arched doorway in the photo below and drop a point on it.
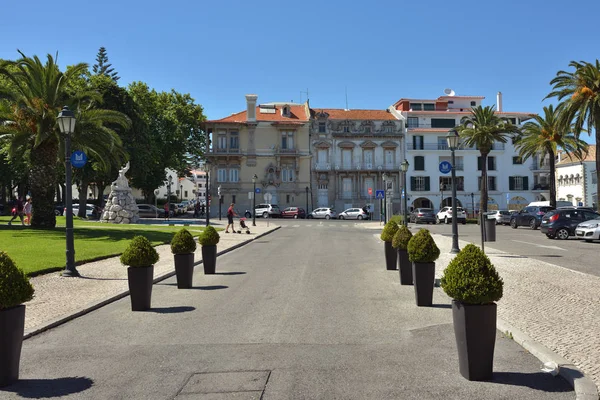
(272, 190)
(421, 202)
(540, 197)
(517, 203)
(447, 202)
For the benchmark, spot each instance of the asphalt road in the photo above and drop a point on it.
(307, 312)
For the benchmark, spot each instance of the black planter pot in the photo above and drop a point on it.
(423, 280)
(391, 256)
(12, 327)
(209, 259)
(140, 287)
(405, 268)
(184, 270)
(475, 331)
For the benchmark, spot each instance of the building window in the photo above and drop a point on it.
(512, 120)
(491, 163)
(594, 178)
(518, 183)
(428, 107)
(287, 174)
(322, 186)
(322, 127)
(234, 141)
(418, 142)
(412, 122)
(346, 129)
(442, 143)
(443, 123)
(233, 175)
(491, 183)
(419, 163)
(185, 193)
(287, 140)
(287, 198)
(368, 157)
(233, 198)
(473, 104)
(367, 129)
(517, 160)
(221, 175)
(447, 182)
(347, 188)
(222, 143)
(416, 106)
(420, 184)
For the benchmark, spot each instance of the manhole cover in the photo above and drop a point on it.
(225, 385)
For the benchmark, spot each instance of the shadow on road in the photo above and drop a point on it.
(229, 273)
(538, 380)
(214, 287)
(46, 388)
(172, 310)
(441, 306)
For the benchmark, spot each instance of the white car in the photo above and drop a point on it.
(267, 211)
(588, 230)
(353, 213)
(323, 212)
(445, 215)
(89, 209)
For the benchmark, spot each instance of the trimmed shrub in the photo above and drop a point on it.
(401, 238)
(422, 248)
(209, 237)
(139, 253)
(389, 230)
(15, 288)
(397, 219)
(471, 278)
(183, 242)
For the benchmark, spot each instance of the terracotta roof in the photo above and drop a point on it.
(429, 129)
(571, 159)
(297, 114)
(455, 111)
(340, 113)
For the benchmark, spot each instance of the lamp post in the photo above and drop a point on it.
(169, 183)
(254, 178)
(156, 192)
(180, 193)
(66, 123)
(452, 139)
(207, 170)
(307, 189)
(404, 167)
(473, 203)
(384, 177)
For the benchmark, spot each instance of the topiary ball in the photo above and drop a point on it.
(401, 238)
(183, 242)
(139, 253)
(389, 230)
(210, 237)
(15, 288)
(471, 278)
(422, 248)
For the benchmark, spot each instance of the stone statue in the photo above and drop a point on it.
(121, 183)
(121, 207)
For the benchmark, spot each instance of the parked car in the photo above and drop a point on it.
(353, 213)
(293, 212)
(149, 211)
(562, 222)
(530, 216)
(267, 210)
(89, 210)
(445, 215)
(588, 230)
(181, 208)
(422, 215)
(323, 212)
(59, 209)
(502, 217)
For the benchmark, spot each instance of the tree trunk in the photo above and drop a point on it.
(58, 194)
(552, 178)
(100, 198)
(483, 201)
(83, 198)
(42, 177)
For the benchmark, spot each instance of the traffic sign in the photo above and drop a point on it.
(379, 194)
(78, 159)
(257, 190)
(268, 197)
(370, 190)
(445, 167)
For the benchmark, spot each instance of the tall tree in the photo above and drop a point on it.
(579, 92)
(482, 129)
(103, 67)
(542, 137)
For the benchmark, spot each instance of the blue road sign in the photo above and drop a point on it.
(379, 194)
(78, 159)
(445, 167)
(257, 190)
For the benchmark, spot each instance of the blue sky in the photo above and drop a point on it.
(380, 50)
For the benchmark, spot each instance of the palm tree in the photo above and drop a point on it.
(482, 129)
(581, 106)
(31, 102)
(542, 137)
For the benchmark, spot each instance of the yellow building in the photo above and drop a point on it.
(270, 140)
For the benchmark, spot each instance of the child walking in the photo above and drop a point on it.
(27, 210)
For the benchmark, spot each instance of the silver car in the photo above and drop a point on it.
(353, 213)
(323, 212)
(502, 217)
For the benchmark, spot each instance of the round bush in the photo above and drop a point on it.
(139, 253)
(209, 237)
(422, 248)
(401, 238)
(389, 230)
(15, 288)
(471, 278)
(183, 242)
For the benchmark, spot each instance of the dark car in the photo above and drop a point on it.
(59, 209)
(530, 216)
(562, 222)
(293, 212)
(422, 215)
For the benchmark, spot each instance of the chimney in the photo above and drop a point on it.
(251, 107)
(499, 101)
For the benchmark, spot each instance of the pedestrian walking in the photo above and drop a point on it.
(197, 210)
(202, 210)
(230, 214)
(27, 208)
(18, 211)
(166, 208)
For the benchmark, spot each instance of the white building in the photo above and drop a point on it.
(512, 182)
(576, 179)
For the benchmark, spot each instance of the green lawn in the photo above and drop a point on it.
(39, 251)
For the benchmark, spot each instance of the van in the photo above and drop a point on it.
(559, 203)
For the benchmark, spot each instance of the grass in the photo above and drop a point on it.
(39, 251)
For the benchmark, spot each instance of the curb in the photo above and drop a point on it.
(584, 387)
(94, 306)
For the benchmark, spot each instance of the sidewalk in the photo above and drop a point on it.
(58, 299)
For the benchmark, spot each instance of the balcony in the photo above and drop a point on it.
(286, 152)
(224, 151)
(322, 167)
(535, 166)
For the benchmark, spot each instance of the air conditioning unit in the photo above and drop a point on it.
(369, 166)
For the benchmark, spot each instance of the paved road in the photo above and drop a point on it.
(307, 312)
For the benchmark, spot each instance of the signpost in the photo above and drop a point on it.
(78, 159)
(445, 167)
(380, 194)
(370, 191)
(268, 196)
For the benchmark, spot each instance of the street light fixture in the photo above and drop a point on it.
(254, 178)
(169, 183)
(404, 167)
(473, 203)
(66, 123)
(307, 189)
(180, 193)
(207, 170)
(452, 139)
(384, 177)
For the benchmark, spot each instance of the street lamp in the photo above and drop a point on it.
(156, 192)
(207, 170)
(254, 178)
(452, 139)
(473, 203)
(384, 177)
(404, 167)
(169, 183)
(66, 123)
(307, 189)
(180, 193)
